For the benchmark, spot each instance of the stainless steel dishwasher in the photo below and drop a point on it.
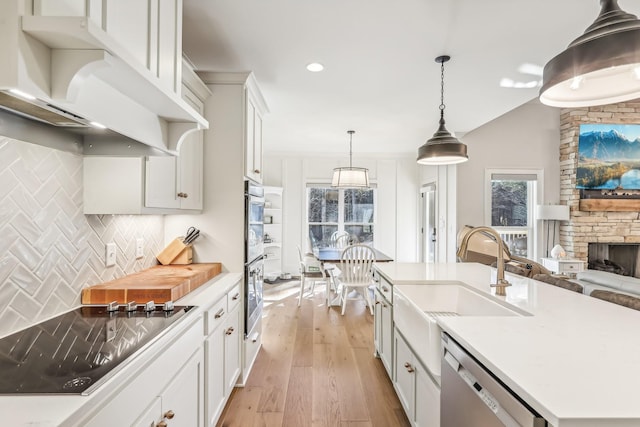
(472, 397)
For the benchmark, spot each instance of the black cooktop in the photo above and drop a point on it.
(72, 352)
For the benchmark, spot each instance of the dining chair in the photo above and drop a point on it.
(356, 265)
(339, 239)
(311, 268)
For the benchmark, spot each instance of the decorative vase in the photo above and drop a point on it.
(558, 252)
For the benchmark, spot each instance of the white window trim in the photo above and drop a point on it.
(341, 223)
(535, 243)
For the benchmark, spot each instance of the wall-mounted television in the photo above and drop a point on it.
(608, 157)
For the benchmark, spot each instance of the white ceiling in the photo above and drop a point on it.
(380, 76)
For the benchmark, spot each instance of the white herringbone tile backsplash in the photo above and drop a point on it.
(50, 250)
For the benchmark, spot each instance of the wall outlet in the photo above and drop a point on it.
(139, 247)
(110, 255)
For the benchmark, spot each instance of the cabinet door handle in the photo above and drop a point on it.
(219, 314)
(236, 296)
(377, 302)
(409, 367)
(169, 414)
(229, 331)
(385, 289)
(256, 171)
(162, 423)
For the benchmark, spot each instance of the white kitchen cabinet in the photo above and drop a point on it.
(176, 182)
(272, 231)
(222, 348)
(179, 403)
(144, 185)
(150, 32)
(383, 322)
(384, 331)
(253, 136)
(232, 358)
(416, 389)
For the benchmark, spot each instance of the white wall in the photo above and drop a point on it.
(526, 138)
(397, 191)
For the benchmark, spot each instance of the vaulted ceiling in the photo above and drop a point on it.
(380, 77)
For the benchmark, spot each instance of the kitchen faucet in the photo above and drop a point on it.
(501, 283)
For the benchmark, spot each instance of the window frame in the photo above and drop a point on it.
(341, 209)
(533, 198)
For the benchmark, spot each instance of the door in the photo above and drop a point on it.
(428, 227)
(183, 398)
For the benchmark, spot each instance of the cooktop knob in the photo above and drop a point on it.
(168, 306)
(112, 306)
(150, 306)
(130, 306)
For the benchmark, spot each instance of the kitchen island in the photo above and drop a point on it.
(574, 359)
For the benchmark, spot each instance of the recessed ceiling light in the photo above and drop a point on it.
(315, 67)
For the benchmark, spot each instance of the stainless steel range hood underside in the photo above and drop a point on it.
(41, 111)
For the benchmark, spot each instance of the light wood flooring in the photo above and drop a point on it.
(315, 368)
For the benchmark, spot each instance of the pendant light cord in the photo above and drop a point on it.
(350, 132)
(442, 106)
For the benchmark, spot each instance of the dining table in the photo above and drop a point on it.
(330, 256)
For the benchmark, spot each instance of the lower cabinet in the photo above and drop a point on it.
(167, 391)
(418, 392)
(179, 403)
(222, 348)
(383, 330)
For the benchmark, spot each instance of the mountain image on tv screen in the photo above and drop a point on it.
(609, 157)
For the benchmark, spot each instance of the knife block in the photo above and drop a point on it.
(176, 252)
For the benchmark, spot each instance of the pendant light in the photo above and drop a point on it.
(350, 177)
(602, 66)
(443, 148)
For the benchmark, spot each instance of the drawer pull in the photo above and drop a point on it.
(236, 296)
(219, 314)
(385, 289)
(169, 414)
(377, 302)
(162, 424)
(409, 367)
(229, 331)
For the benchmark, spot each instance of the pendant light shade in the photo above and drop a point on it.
(443, 148)
(602, 66)
(350, 177)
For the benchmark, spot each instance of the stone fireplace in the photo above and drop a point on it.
(616, 225)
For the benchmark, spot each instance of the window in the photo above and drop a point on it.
(331, 209)
(512, 197)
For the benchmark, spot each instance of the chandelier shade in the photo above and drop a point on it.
(350, 177)
(442, 148)
(600, 67)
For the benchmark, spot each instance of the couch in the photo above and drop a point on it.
(592, 280)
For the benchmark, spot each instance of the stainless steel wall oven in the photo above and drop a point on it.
(254, 253)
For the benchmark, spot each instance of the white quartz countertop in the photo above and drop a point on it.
(573, 358)
(56, 410)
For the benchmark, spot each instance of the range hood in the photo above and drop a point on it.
(76, 75)
(42, 111)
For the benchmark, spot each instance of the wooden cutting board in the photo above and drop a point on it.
(159, 283)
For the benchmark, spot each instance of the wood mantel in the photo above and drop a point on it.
(610, 205)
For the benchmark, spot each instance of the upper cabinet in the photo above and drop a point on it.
(253, 137)
(238, 109)
(126, 184)
(108, 61)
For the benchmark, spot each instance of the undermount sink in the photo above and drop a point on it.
(416, 308)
